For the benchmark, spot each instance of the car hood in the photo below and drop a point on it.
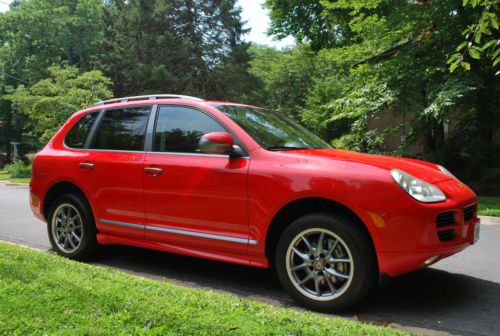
(426, 171)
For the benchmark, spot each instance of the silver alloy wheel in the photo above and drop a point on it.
(67, 230)
(319, 264)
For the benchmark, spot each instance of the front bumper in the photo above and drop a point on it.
(412, 237)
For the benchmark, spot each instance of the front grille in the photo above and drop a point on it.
(469, 212)
(446, 235)
(445, 219)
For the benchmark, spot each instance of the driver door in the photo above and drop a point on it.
(194, 200)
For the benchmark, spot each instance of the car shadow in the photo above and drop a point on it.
(430, 299)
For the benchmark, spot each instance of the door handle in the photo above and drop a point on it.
(153, 171)
(86, 165)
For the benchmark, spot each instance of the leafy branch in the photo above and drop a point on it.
(481, 38)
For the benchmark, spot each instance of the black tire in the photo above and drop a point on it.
(88, 244)
(364, 272)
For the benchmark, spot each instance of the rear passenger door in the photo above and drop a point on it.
(112, 170)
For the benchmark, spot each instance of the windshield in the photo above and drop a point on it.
(271, 130)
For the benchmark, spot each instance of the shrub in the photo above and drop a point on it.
(19, 169)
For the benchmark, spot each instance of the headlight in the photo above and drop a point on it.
(445, 171)
(418, 189)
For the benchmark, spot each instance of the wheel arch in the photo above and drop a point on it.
(58, 189)
(304, 206)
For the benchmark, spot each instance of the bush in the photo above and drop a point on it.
(19, 169)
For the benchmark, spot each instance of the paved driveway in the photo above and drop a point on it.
(459, 295)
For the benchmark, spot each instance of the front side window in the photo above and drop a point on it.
(271, 130)
(122, 129)
(77, 136)
(179, 129)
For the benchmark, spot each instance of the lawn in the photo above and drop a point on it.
(489, 206)
(43, 294)
(5, 176)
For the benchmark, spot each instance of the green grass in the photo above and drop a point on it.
(5, 176)
(489, 206)
(44, 294)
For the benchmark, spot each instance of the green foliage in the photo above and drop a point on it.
(305, 21)
(285, 77)
(489, 206)
(59, 297)
(192, 47)
(482, 38)
(390, 57)
(339, 108)
(18, 169)
(37, 34)
(49, 102)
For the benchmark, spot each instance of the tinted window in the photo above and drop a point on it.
(122, 129)
(178, 129)
(271, 130)
(77, 136)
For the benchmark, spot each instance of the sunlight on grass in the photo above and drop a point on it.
(6, 177)
(45, 294)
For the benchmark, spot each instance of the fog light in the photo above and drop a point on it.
(431, 261)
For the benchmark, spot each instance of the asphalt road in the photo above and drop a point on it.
(459, 295)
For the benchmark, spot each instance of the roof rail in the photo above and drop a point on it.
(146, 97)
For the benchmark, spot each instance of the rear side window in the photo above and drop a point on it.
(179, 129)
(77, 136)
(122, 129)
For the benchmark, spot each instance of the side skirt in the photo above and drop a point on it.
(106, 239)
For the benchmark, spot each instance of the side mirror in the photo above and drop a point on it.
(216, 143)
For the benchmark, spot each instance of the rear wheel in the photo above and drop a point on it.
(325, 262)
(71, 227)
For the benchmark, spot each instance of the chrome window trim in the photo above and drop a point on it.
(149, 135)
(102, 150)
(97, 125)
(149, 152)
(182, 232)
(197, 154)
(89, 134)
(201, 110)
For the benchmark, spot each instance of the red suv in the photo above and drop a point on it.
(240, 184)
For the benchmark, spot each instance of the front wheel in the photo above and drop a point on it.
(326, 262)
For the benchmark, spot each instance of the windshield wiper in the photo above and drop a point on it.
(280, 148)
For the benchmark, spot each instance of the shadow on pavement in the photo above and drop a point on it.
(429, 299)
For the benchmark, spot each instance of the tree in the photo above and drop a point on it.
(50, 101)
(37, 34)
(183, 46)
(286, 77)
(305, 21)
(390, 55)
(481, 38)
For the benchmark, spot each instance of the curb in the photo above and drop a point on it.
(489, 220)
(16, 184)
(13, 184)
(24, 246)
